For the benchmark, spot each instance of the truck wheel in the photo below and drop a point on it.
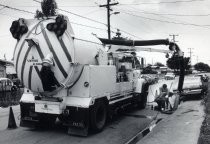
(98, 116)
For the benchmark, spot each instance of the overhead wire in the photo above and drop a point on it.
(162, 16)
(91, 20)
(163, 2)
(72, 14)
(5, 6)
(89, 26)
(97, 22)
(82, 17)
(168, 14)
(166, 21)
(129, 24)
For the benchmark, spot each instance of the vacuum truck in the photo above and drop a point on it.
(81, 80)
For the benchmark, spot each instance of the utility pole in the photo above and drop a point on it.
(174, 37)
(191, 52)
(197, 58)
(108, 5)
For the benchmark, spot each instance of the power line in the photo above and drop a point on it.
(82, 17)
(130, 34)
(77, 15)
(81, 6)
(91, 12)
(90, 19)
(89, 26)
(76, 6)
(165, 21)
(163, 2)
(170, 14)
(5, 6)
(108, 7)
(34, 13)
(97, 22)
(66, 12)
(161, 15)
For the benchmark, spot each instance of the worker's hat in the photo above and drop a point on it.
(48, 59)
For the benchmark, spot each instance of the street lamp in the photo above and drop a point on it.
(115, 13)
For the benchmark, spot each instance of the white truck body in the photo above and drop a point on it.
(92, 81)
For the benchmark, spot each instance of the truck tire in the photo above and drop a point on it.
(98, 116)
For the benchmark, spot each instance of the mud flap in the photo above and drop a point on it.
(77, 121)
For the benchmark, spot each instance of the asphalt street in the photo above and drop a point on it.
(182, 127)
(117, 131)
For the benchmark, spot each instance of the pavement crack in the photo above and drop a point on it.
(190, 110)
(137, 116)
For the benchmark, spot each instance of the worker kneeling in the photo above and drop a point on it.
(165, 99)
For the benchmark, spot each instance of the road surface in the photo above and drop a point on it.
(117, 131)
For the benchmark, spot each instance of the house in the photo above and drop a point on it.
(3, 67)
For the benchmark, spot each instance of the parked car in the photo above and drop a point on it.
(192, 86)
(203, 77)
(150, 78)
(7, 85)
(169, 76)
(17, 83)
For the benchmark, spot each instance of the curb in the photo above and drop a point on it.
(143, 133)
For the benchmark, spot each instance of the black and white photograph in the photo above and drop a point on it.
(104, 72)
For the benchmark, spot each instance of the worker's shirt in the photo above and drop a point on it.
(48, 79)
(164, 91)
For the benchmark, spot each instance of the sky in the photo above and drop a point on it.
(138, 19)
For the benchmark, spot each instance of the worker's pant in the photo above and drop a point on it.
(161, 102)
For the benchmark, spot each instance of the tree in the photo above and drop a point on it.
(39, 14)
(118, 36)
(148, 70)
(202, 67)
(48, 9)
(174, 63)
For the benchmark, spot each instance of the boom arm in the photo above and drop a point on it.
(172, 47)
(152, 50)
(135, 42)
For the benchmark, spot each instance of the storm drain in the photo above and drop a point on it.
(143, 133)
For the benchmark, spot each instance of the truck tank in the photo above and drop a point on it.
(52, 39)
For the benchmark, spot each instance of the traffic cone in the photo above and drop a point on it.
(11, 121)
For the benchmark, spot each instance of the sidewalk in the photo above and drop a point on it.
(182, 127)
